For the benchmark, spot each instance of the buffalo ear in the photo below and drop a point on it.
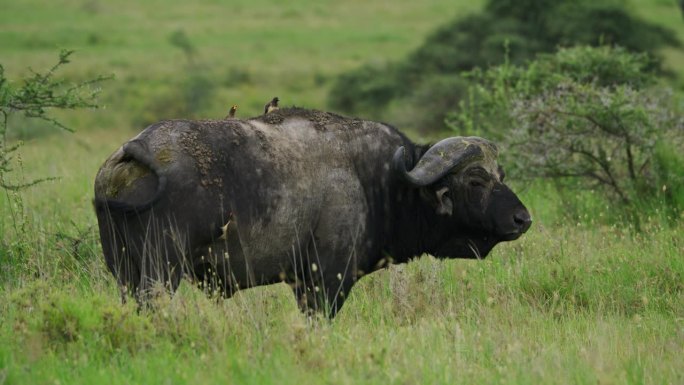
(444, 204)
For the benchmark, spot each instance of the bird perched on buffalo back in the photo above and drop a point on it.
(271, 106)
(231, 113)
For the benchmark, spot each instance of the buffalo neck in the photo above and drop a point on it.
(412, 221)
(416, 230)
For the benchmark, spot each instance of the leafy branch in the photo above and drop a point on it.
(38, 94)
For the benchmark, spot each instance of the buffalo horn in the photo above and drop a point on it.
(441, 158)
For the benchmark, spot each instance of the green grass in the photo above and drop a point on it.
(287, 49)
(574, 301)
(568, 305)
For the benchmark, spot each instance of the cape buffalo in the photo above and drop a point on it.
(305, 197)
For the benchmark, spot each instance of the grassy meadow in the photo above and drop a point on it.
(579, 299)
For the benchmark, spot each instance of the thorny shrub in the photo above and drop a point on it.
(585, 117)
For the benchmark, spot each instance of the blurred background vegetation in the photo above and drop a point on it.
(421, 88)
(169, 57)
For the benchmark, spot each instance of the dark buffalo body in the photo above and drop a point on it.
(305, 197)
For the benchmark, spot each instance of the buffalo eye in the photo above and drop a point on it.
(478, 178)
(476, 183)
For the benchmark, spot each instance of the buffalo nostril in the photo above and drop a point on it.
(522, 220)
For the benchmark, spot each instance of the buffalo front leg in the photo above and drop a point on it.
(324, 296)
(324, 274)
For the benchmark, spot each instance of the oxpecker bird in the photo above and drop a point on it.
(271, 106)
(231, 113)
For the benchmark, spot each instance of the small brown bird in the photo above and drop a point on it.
(231, 113)
(271, 106)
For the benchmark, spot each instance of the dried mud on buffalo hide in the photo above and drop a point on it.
(204, 157)
(321, 120)
(121, 176)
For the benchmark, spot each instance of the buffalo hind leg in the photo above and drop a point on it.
(325, 273)
(221, 268)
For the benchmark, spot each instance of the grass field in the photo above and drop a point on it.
(579, 301)
(251, 50)
(561, 306)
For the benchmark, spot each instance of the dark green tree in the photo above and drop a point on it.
(516, 29)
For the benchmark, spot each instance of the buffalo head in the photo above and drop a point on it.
(460, 180)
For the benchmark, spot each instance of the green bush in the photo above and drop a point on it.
(485, 110)
(668, 166)
(590, 116)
